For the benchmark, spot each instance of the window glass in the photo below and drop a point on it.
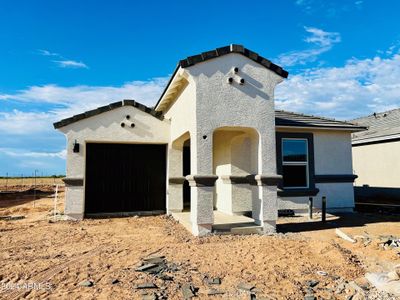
(294, 176)
(295, 163)
(294, 150)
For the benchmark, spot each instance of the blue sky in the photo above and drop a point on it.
(59, 58)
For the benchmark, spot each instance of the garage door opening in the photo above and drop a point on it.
(123, 179)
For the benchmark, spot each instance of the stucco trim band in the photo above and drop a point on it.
(69, 181)
(176, 180)
(298, 192)
(201, 180)
(265, 179)
(235, 179)
(335, 178)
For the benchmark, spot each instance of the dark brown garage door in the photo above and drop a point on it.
(125, 178)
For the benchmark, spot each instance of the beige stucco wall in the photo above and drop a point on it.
(106, 128)
(234, 153)
(220, 104)
(332, 156)
(377, 165)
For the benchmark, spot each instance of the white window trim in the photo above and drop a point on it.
(297, 163)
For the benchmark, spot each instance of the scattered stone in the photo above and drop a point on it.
(215, 292)
(215, 280)
(146, 285)
(11, 218)
(340, 288)
(312, 283)
(246, 286)
(86, 283)
(166, 277)
(356, 287)
(154, 259)
(322, 273)
(188, 291)
(115, 281)
(145, 267)
(149, 297)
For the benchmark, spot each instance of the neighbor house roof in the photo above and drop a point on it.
(291, 119)
(282, 118)
(233, 48)
(105, 108)
(382, 127)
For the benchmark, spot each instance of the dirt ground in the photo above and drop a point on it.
(56, 257)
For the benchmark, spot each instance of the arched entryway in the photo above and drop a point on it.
(235, 158)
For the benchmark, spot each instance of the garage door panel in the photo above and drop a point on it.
(125, 178)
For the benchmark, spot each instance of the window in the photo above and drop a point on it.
(295, 163)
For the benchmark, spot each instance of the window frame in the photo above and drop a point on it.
(297, 163)
(310, 190)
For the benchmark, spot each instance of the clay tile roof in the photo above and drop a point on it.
(194, 59)
(105, 108)
(285, 118)
(381, 126)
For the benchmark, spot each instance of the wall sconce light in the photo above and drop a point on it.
(75, 147)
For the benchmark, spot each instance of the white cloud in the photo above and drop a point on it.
(356, 89)
(21, 153)
(64, 102)
(71, 64)
(63, 62)
(48, 53)
(18, 122)
(321, 41)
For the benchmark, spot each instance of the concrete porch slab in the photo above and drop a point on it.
(222, 222)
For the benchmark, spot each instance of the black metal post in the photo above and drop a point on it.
(323, 209)
(310, 207)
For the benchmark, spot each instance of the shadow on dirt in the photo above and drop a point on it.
(13, 198)
(356, 219)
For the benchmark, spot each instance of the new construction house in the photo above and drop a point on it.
(212, 146)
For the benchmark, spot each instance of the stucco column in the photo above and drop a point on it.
(74, 195)
(175, 181)
(265, 208)
(201, 203)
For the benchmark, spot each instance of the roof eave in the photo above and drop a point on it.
(338, 128)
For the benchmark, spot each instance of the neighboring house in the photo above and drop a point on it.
(376, 157)
(212, 142)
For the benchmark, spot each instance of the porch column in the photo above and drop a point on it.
(265, 210)
(201, 205)
(175, 181)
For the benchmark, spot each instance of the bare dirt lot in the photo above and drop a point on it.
(98, 258)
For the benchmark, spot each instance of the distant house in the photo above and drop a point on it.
(213, 143)
(376, 158)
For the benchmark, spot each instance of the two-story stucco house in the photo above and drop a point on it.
(213, 143)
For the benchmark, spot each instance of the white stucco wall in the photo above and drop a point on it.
(221, 104)
(106, 128)
(332, 156)
(377, 165)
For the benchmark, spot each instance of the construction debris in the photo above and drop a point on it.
(215, 292)
(390, 243)
(344, 236)
(384, 282)
(11, 218)
(188, 291)
(86, 283)
(246, 286)
(146, 285)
